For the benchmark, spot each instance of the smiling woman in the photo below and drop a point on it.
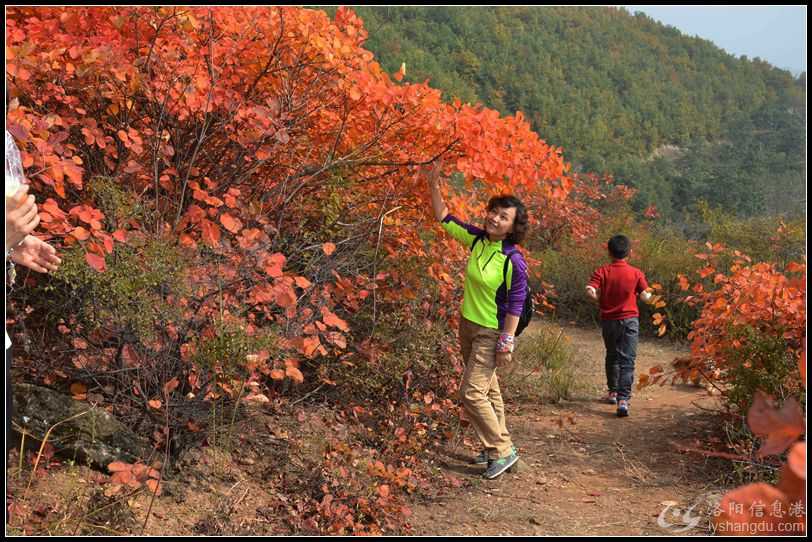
(495, 292)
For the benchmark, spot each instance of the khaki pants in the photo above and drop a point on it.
(479, 390)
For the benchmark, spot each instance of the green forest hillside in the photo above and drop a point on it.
(674, 116)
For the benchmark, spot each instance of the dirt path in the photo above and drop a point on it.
(602, 475)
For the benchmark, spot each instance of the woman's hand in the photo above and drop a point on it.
(503, 359)
(21, 216)
(437, 203)
(36, 254)
(434, 175)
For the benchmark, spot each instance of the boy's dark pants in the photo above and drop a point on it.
(620, 339)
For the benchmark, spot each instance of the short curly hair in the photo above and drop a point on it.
(520, 223)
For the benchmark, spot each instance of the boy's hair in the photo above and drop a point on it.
(619, 246)
(519, 223)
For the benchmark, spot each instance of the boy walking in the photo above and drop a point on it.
(615, 286)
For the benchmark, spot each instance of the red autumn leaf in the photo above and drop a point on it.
(123, 477)
(779, 427)
(332, 320)
(171, 386)
(736, 511)
(264, 153)
(303, 283)
(154, 486)
(284, 296)
(277, 374)
(310, 345)
(383, 490)
(294, 374)
(96, 262)
(120, 236)
(118, 466)
(273, 264)
(80, 233)
(210, 232)
(230, 223)
(77, 388)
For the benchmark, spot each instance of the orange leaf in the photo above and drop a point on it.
(77, 388)
(155, 403)
(284, 296)
(211, 233)
(154, 486)
(123, 477)
(118, 466)
(80, 233)
(737, 507)
(383, 490)
(780, 427)
(230, 223)
(273, 264)
(96, 262)
(278, 374)
(303, 283)
(328, 248)
(170, 386)
(332, 320)
(294, 374)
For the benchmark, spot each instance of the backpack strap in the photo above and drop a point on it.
(509, 259)
(479, 237)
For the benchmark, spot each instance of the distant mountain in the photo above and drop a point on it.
(614, 89)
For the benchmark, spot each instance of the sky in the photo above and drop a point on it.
(776, 34)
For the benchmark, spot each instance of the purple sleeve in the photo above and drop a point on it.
(518, 285)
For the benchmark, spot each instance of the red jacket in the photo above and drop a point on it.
(619, 284)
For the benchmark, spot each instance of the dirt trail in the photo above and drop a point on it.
(602, 475)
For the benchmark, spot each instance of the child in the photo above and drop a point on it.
(615, 286)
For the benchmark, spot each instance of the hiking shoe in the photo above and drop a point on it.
(498, 466)
(482, 458)
(610, 397)
(622, 408)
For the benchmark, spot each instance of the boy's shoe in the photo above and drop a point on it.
(498, 466)
(610, 397)
(482, 458)
(622, 408)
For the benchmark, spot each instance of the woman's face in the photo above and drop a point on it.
(499, 222)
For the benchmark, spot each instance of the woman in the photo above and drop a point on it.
(495, 289)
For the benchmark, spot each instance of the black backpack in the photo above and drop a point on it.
(528, 308)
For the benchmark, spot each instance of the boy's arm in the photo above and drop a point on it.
(643, 289)
(593, 287)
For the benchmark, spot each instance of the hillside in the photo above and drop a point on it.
(611, 88)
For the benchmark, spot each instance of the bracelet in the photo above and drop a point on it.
(505, 343)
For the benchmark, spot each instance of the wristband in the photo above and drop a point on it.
(505, 343)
